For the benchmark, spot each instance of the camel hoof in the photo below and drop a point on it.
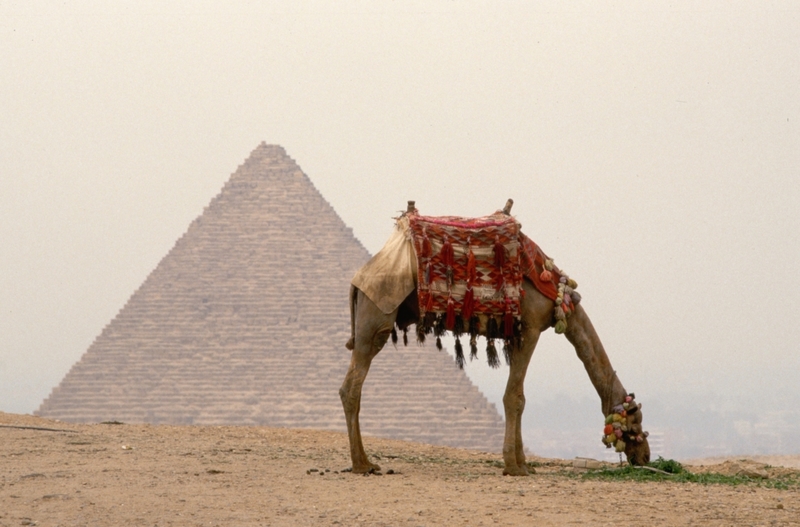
(369, 468)
(516, 471)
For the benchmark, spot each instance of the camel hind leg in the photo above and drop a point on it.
(371, 331)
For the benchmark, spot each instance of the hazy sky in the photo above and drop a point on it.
(652, 149)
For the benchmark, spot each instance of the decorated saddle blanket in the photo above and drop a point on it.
(470, 268)
(462, 268)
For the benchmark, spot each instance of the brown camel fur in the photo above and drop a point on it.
(371, 329)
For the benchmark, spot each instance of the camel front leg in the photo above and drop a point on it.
(514, 405)
(537, 312)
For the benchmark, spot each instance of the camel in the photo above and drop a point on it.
(371, 328)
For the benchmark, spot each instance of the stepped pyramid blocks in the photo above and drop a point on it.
(244, 323)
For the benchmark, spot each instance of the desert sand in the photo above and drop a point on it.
(54, 473)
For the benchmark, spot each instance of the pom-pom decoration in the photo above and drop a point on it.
(621, 426)
(576, 297)
(565, 298)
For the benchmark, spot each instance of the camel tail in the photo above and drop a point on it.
(353, 299)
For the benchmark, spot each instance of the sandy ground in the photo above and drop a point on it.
(114, 474)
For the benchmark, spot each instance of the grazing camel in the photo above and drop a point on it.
(371, 327)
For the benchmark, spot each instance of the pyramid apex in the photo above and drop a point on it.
(269, 154)
(264, 148)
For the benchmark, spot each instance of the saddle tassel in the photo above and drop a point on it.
(472, 276)
(491, 354)
(450, 321)
(459, 354)
(473, 347)
(469, 303)
(425, 250)
(499, 261)
(472, 267)
(499, 253)
(447, 253)
(508, 349)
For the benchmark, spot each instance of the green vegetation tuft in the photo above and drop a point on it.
(667, 465)
(675, 472)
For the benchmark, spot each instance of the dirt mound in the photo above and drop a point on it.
(792, 462)
(53, 473)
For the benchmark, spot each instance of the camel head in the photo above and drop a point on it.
(637, 453)
(623, 431)
(637, 449)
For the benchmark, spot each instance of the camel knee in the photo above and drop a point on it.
(365, 346)
(514, 401)
(380, 340)
(348, 400)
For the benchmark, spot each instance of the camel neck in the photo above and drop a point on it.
(581, 333)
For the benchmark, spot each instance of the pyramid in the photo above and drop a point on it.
(244, 322)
